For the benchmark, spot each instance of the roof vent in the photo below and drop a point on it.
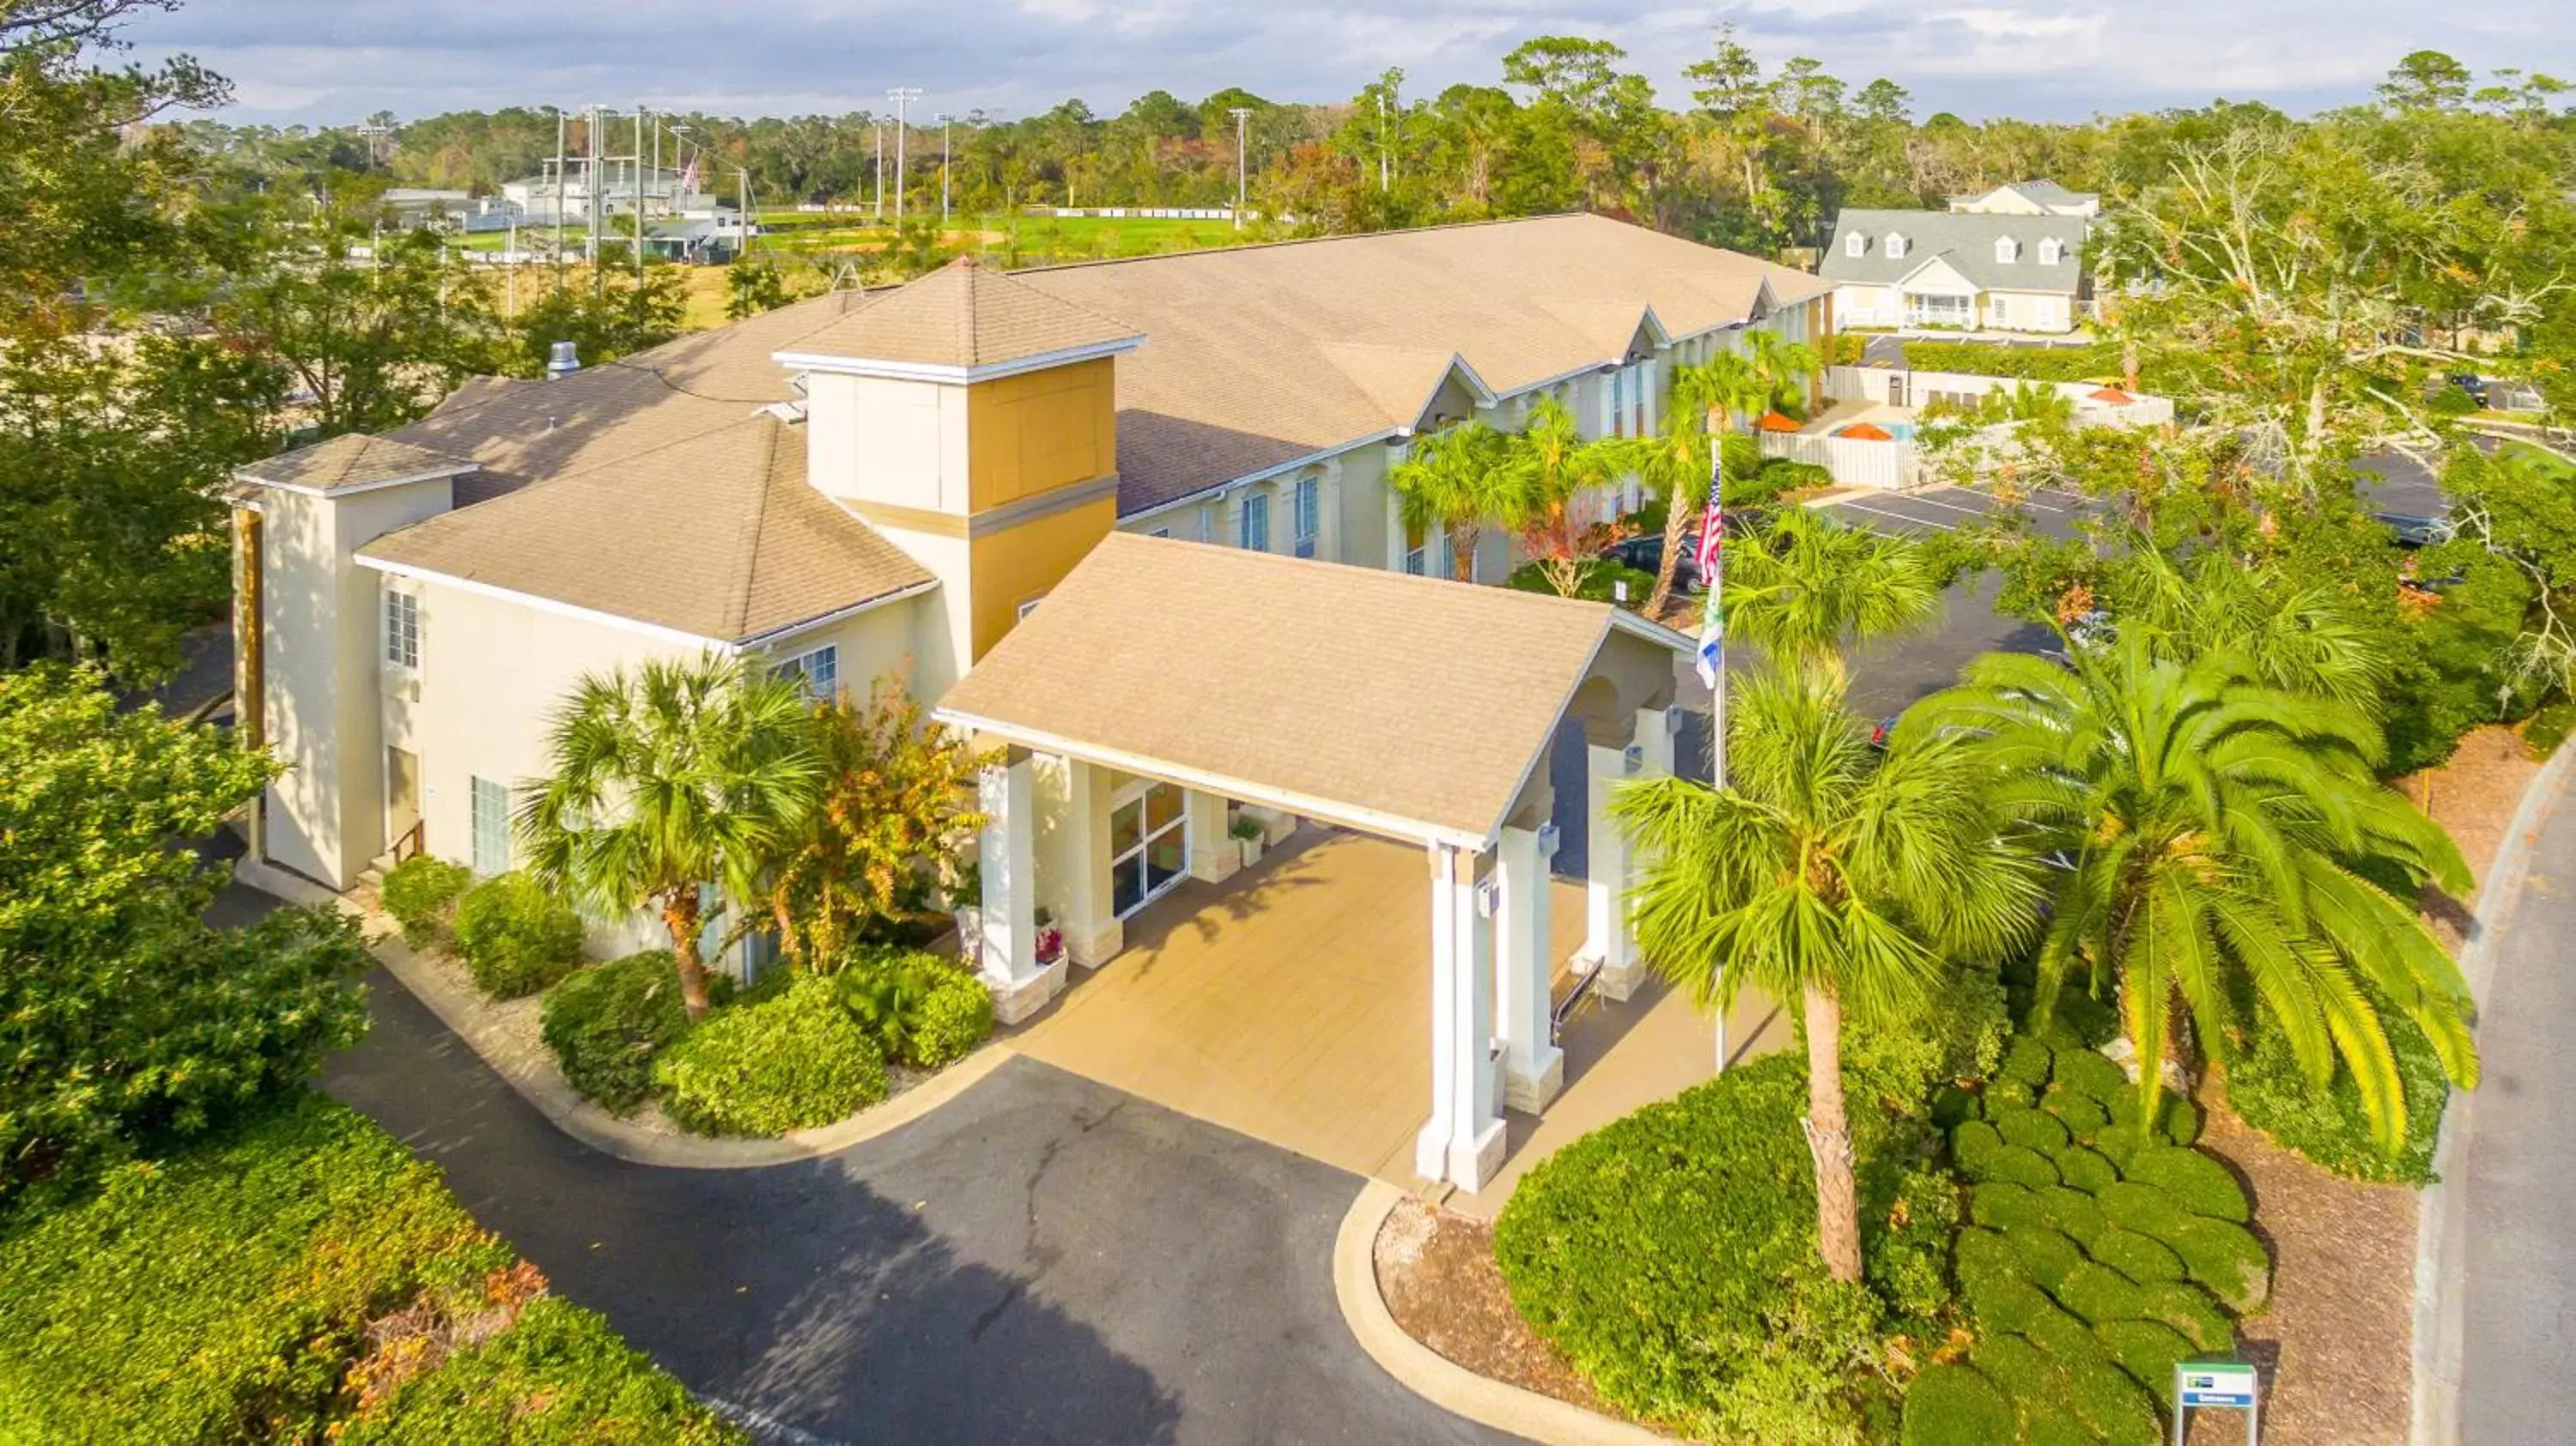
(562, 361)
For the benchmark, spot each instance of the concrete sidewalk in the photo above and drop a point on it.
(2511, 1174)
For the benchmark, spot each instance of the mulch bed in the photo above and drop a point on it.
(1437, 1272)
(2336, 1344)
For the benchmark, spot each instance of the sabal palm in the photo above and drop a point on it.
(1806, 586)
(1784, 366)
(1828, 874)
(2221, 833)
(1679, 459)
(1455, 481)
(2303, 637)
(678, 774)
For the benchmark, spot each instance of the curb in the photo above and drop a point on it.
(2441, 1232)
(545, 1087)
(1435, 1378)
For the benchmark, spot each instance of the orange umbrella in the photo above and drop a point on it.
(1867, 432)
(1776, 422)
(2114, 396)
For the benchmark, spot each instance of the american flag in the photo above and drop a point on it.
(1712, 572)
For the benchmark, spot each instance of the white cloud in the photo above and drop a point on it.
(332, 60)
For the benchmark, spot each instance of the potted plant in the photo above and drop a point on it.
(1247, 835)
(1050, 939)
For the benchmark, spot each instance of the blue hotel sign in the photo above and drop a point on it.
(2200, 1385)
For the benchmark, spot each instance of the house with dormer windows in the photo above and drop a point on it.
(2010, 260)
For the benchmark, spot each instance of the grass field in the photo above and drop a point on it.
(1014, 240)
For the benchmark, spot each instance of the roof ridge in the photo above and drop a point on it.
(755, 518)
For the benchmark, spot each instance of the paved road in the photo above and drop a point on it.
(1043, 1259)
(2518, 1176)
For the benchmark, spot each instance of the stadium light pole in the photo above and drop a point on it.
(1242, 119)
(944, 119)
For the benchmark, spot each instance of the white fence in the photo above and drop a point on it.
(1904, 388)
(1143, 213)
(1889, 466)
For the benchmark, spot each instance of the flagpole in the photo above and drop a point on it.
(1712, 642)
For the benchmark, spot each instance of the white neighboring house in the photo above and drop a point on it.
(2009, 260)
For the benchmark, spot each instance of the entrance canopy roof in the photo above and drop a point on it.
(1411, 707)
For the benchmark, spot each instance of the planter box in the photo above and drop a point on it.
(1252, 849)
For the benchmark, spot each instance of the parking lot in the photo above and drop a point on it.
(1941, 509)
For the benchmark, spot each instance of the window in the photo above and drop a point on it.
(2051, 251)
(1256, 522)
(1999, 310)
(488, 811)
(2007, 250)
(1417, 552)
(821, 670)
(1207, 524)
(1308, 518)
(1855, 244)
(1895, 246)
(402, 629)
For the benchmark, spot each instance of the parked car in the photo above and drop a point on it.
(1645, 553)
(2414, 531)
(2476, 386)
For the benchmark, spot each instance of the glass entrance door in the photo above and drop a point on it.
(1149, 845)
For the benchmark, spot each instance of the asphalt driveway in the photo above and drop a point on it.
(1042, 1259)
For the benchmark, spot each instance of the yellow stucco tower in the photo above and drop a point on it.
(973, 420)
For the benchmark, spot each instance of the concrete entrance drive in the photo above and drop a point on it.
(1289, 1003)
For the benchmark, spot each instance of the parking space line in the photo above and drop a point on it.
(1929, 500)
(1898, 516)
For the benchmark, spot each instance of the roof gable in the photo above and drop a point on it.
(966, 317)
(1966, 240)
(352, 463)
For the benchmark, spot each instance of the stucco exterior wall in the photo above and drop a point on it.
(1016, 565)
(321, 626)
(894, 443)
(1032, 433)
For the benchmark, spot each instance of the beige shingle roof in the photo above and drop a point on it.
(716, 535)
(1418, 700)
(963, 315)
(1244, 361)
(351, 461)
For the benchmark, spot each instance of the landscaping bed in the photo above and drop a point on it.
(1437, 1273)
(299, 1276)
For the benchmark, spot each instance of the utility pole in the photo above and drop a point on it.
(1381, 140)
(593, 216)
(639, 205)
(879, 131)
(943, 170)
(901, 95)
(560, 121)
(747, 213)
(1242, 118)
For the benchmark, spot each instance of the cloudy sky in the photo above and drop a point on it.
(336, 60)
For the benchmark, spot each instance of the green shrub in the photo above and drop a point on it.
(1973, 1144)
(2142, 1208)
(516, 937)
(560, 1375)
(2187, 1308)
(2196, 1182)
(1671, 1256)
(2003, 1207)
(2086, 1170)
(2025, 1062)
(2267, 1088)
(2086, 1072)
(2147, 1351)
(2549, 727)
(2098, 1293)
(920, 1009)
(2020, 1166)
(2037, 363)
(221, 1292)
(2225, 1258)
(2010, 1094)
(1957, 1033)
(418, 892)
(2007, 1303)
(1957, 1406)
(2141, 1258)
(2071, 1211)
(791, 1062)
(1953, 1107)
(2032, 1130)
(2118, 1143)
(606, 1024)
(2047, 1257)
(2083, 1114)
(2177, 1120)
(956, 1017)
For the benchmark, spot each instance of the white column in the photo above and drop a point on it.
(1328, 512)
(1610, 936)
(1463, 1140)
(1008, 948)
(1092, 932)
(1395, 540)
(1533, 1067)
(1214, 856)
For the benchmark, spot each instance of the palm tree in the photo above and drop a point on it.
(1825, 873)
(2220, 833)
(1807, 586)
(1677, 461)
(1784, 366)
(1455, 482)
(666, 779)
(2298, 637)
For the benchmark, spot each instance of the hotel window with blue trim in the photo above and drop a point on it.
(1256, 522)
(821, 670)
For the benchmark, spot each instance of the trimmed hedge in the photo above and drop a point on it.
(223, 1291)
(792, 1061)
(1956, 1406)
(561, 1375)
(956, 1017)
(921, 1009)
(419, 892)
(2085, 1292)
(606, 1024)
(516, 937)
(1671, 1256)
